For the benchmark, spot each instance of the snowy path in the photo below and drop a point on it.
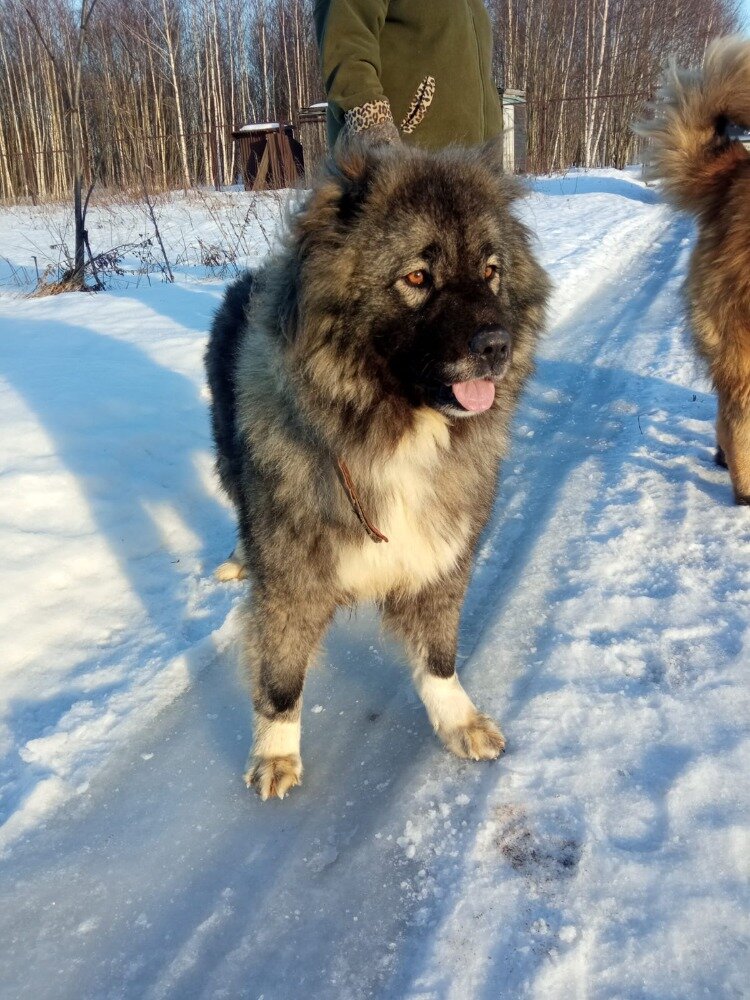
(605, 856)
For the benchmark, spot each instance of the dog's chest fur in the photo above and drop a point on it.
(424, 540)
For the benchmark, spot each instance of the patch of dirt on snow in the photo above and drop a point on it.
(537, 856)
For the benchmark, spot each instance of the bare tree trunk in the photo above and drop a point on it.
(172, 57)
(12, 107)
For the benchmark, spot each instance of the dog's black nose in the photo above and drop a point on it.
(492, 344)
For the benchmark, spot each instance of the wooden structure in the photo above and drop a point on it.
(515, 136)
(269, 156)
(313, 136)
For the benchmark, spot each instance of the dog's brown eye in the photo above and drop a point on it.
(490, 271)
(417, 279)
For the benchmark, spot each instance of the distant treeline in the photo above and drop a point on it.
(587, 65)
(163, 82)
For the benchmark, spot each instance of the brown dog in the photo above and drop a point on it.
(706, 172)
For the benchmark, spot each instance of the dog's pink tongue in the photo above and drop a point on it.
(477, 395)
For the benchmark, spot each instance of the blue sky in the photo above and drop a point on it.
(745, 12)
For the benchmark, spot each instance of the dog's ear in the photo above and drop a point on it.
(353, 169)
(320, 224)
(340, 192)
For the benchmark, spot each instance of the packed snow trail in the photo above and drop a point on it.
(606, 628)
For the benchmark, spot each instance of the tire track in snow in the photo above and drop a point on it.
(558, 421)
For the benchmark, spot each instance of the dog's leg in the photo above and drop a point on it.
(733, 436)
(721, 440)
(281, 634)
(428, 624)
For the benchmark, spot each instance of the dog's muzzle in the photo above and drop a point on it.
(490, 351)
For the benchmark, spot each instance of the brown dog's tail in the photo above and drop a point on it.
(690, 151)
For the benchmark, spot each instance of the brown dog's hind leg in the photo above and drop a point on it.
(733, 437)
(428, 624)
(282, 632)
(720, 456)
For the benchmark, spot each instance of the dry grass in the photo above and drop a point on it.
(45, 288)
(205, 233)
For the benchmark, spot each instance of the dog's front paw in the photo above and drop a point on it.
(272, 777)
(478, 739)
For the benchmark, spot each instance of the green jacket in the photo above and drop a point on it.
(375, 52)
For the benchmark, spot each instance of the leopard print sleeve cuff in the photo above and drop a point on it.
(372, 121)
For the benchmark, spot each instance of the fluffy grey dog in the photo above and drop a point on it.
(363, 384)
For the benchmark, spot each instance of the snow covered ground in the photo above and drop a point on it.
(607, 855)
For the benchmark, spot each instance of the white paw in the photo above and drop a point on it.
(272, 777)
(478, 739)
(232, 569)
(464, 731)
